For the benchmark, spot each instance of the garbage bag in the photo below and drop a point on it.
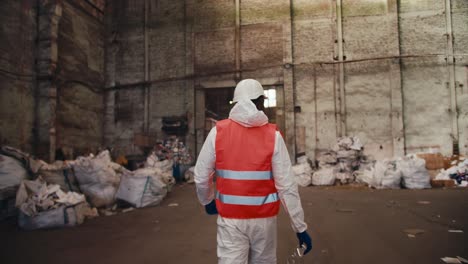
(64, 216)
(12, 173)
(414, 172)
(98, 178)
(59, 173)
(190, 175)
(324, 176)
(387, 175)
(141, 188)
(365, 175)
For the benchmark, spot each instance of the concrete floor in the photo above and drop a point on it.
(347, 225)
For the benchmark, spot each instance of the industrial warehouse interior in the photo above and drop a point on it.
(105, 107)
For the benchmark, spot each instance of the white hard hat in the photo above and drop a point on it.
(248, 89)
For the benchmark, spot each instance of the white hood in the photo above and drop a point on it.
(246, 114)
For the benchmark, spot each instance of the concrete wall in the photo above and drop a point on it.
(158, 93)
(52, 76)
(80, 78)
(391, 72)
(17, 73)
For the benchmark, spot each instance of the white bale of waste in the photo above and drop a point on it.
(326, 158)
(12, 172)
(141, 188)
(45, 205)
(324, 176)
(365, 173)
(348, 143)
(189, 175)
(60, 173)
(343, 171)
(302, 174)
(414, 173)
(152, 161)
(63, 216)
(98, 178)
(386, 175)
(343, 176)
(347, 154)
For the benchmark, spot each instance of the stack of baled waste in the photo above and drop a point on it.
(338, 164)
(45, 205)
(325, 175)
(302, 171)
(348, 155)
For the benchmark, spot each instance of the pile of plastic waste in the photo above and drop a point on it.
(345, 163)
(458, 172)
(61, 194)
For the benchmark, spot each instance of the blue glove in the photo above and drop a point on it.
(211, 208)
(304, 238)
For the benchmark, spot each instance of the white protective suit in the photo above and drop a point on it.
(250, 240)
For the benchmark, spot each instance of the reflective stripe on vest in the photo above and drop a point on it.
(247, 200)
(245, 175)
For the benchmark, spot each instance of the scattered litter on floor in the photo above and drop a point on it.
(451, 260)
(412, 232)
(173, 204)
(424, 202)
(345, 210)
(126, 210)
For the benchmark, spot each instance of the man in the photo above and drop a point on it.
(253, 174)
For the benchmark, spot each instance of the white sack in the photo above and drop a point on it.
(324, 176)
(302, 172)
(59, 173)
(98, 178)
(365, 175)
(190, 175)
(152, 161)
(64, 216)
(36, 196)
(143, 187)
(386, 175)
(326, 158)
(414, 172)
(12, 173)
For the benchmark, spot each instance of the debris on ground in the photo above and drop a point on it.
(453, 260)
(424, 202)
(413, 232)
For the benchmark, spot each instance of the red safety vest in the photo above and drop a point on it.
(244, 180)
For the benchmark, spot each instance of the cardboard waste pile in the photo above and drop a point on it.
(345, 163)
(64, 193)
(458, 173)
